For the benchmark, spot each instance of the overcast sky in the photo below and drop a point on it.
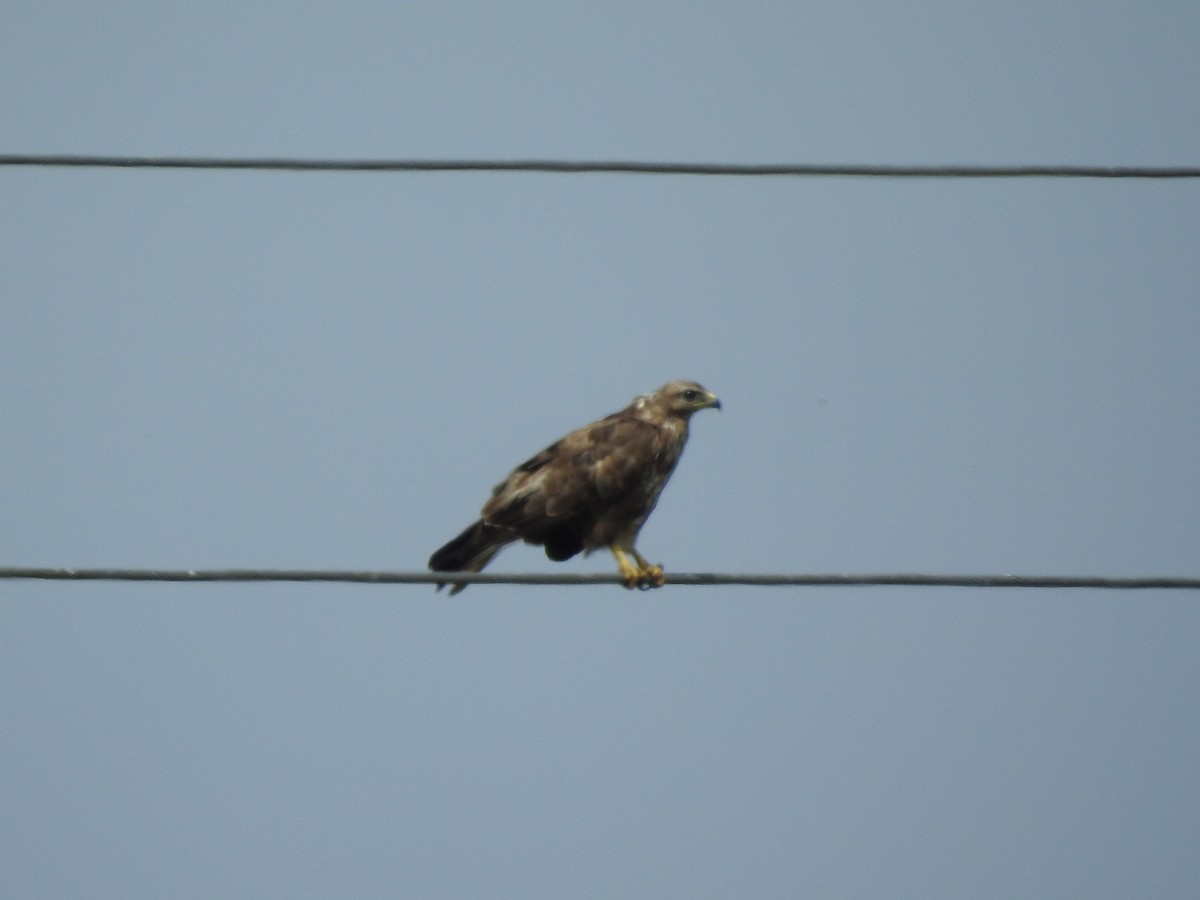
(270, 370)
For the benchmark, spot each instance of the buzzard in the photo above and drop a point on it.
(593, 488)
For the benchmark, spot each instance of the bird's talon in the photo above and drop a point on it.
(630, 574)
(651, 577)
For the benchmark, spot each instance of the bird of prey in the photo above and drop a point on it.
(592, 489)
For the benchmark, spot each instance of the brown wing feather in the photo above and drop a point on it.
(575, 477)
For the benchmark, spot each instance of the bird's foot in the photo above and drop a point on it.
(651, 577)
(630, 574)
(640, 574)
(643, 579)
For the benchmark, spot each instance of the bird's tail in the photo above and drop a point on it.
(470, 551)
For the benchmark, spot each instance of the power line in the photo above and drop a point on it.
(692, 579)
(594, 166)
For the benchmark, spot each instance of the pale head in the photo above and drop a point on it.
(682, 398)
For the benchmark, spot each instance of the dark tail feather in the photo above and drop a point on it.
(470, 551)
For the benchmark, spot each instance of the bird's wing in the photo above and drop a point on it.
(586, 470)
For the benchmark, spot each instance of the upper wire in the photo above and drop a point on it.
(597, 166)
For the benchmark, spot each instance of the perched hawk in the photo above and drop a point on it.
(592, 489)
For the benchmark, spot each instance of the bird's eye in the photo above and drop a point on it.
(689, 395)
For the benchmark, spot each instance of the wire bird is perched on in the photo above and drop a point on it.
(593, 488)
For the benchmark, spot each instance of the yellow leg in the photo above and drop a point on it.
(643, 574)
(651, 574)
(631, 574)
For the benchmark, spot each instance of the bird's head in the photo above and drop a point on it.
(682, 398)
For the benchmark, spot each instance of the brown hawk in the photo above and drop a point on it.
(593, 488)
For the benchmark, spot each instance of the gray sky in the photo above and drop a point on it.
(216, 369)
